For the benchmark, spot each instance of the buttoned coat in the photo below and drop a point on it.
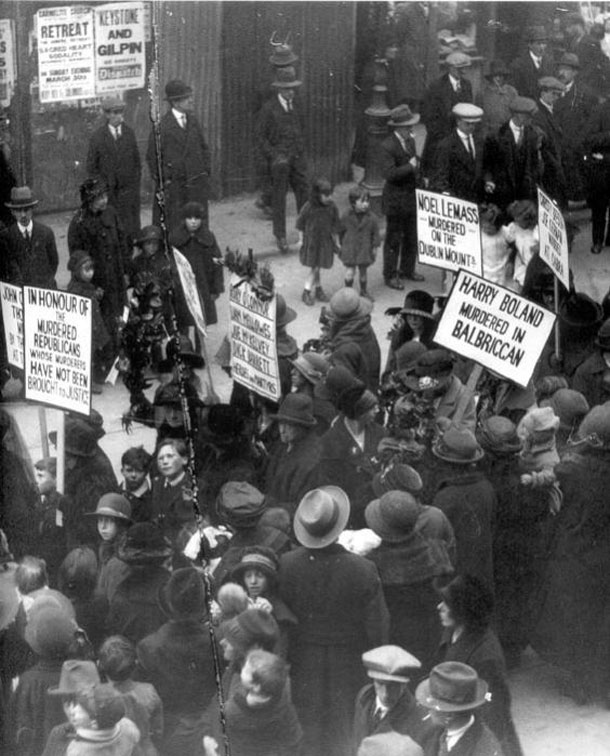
(436, 114)
(553, 177)
(524, 75)
(456, 172)
(515, 170)
(400, 176)
(573, 115)
(117, 162)
(478, 740)
(36, 265)
(185, 163)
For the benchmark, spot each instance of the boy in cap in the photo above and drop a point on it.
(114, 157)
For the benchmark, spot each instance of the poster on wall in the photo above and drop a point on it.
(66, 62)
(119, 47)
(7, 61)
(12, 316)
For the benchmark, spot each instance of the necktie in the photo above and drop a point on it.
(470, 144)
(183, 119)
(27, 237)
(519, 137)
(289, 105)
(458, 87)
(376, 719)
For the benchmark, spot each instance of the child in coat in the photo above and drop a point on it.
(113, 513)
(52, 544)
(319, 223)
(359, 238)
(135, 487)
(494, 247)
(523, 233)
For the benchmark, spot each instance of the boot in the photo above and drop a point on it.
(349, 283)
(308, 298)
(320, 294)
(364, 293)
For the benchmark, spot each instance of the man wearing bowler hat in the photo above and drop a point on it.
(185, 159)
(32, 252)
(114, 157)
(281, 143)
(400, 168)
(533, 64)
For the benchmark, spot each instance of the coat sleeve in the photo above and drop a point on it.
(93, 157)
(391, 172)
(77, 238)
(439, 180)
(376, 616)
(52, 255)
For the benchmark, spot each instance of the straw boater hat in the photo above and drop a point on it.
(21, 198)
(467, 112)
(452, 687)
(321, 516)
(458, 60)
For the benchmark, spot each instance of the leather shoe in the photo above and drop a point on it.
(394, 283)
(282, 244)
(414, 277)
(596, 249)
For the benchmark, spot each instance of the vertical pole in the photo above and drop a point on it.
(557, 332)
(44, 438)
(469, 390)
(61, 453)
(20, 105)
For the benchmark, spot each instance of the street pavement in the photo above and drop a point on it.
(548, 721)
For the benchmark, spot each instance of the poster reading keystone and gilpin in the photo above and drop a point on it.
(254, 361)
(448, 234)
(495, 327)
(119, 47)
(66, 68)
(57, 346)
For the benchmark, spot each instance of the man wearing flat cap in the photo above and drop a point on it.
(386, 703)
(553, 179)
(114, 157)
(449, 89)
(533, 64)
(185, 159)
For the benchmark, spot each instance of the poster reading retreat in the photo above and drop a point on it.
(495, 327)
(119, 47)
(66, 67)
(12, 315)
(57, 346)
(252, 335)
(7, 62)
(553, 238)
(448, 234)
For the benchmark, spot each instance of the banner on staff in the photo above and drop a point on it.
(553, 238)
(448, 234)
(7, 61)
(119, 47)
(57, 348)
(495, 327)
(189, 288)
(12, 316)
(254, 361)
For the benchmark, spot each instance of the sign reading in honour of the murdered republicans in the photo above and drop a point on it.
(254, 361)
(119, 47)
(12, 315)
(57, 348)
(553, 238)
(495, 327)
(448, 234)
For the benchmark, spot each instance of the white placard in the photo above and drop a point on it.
(12, 316)
(57, 348)
(553, 238)
(7, 61)
(120, 60)
(254, 361)
(448, 234)
(495, 327)
(189, 287)
(66, 65)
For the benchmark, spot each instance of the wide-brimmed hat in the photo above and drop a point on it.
(77, 259)
(321, 516)
(252, 627)
(579, 310)
(283, 313)
(240, 504)
(21, 198)
(570, 406)
(397, 477)
(431, 366)
(497, 68)
(312, 366)
(452, 686)
(296, 409)
(286, 78)
(112, 505)
(467, 112)
(184, 594)
(176, 89)
(498, 435)
(49, 631)
(346, 304)
(337, 380)
(283, 55)
(393, 516)
(112, 103)
(389, 663)
(536, 33)
(458, 446)
(144, 543)
(76, 675)
(402, 115)
(419, 302)
(182, 347)
(521, 104)
(263, 559)
(149, 233)
(458, 60)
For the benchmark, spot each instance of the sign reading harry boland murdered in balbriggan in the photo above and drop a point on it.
(57, 348)
(12, 315)
(553, 238)
(448, 234)
(119, 47)
(495, 327)
(66, 67)
(254, 361)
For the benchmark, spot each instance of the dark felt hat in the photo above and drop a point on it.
(149, 233)
(49, 631)
(80, 437)
(452, 686)
(240, 504)
(252, 627)
(393, 516)
(112, 505)
(419, 302)
(498, 435)
(321, 516)
(578, 310)
(296, 409)
(536, 33)
(144, 543)
(402, 115)
(184, 594)
(283, 55)
(184, 348)
(283, 313)
(459, 447)
(176, 89)
(76, 674)
(225, 421)
(497, 68)
(356, 400)
(429, 368)
(312, 366)
(337, 380)
(397, 477)
(286, 78)
(21, 198)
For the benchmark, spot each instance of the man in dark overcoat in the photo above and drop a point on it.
(594, 65)
(114, 157)
(400, 168)
(597, 147)
(338, 601)
(532, 64)
(31, 249)
(553, 177)
(451, 88)
(185, 159)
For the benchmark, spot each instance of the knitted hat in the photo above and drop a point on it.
(346, 304)
(184, 594)
(393, 516)
(397, 477)
(312, 366)
(296, 409)
(239, 504)
(389, 663)
(570, 407)
(144, 543)
(254, 627)
(537, 420)
(193, 210)
(498, 435)
(77, 259)
(459, 447)
(112, 505)
(76, 674)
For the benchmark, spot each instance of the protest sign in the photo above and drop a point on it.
(254, 361)
(189, 287)
(57, 348)
(448, 234)
(119, 47)
(12, 315)
(7, 62)
(495, 327)
(553, 238)
(66, 66)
